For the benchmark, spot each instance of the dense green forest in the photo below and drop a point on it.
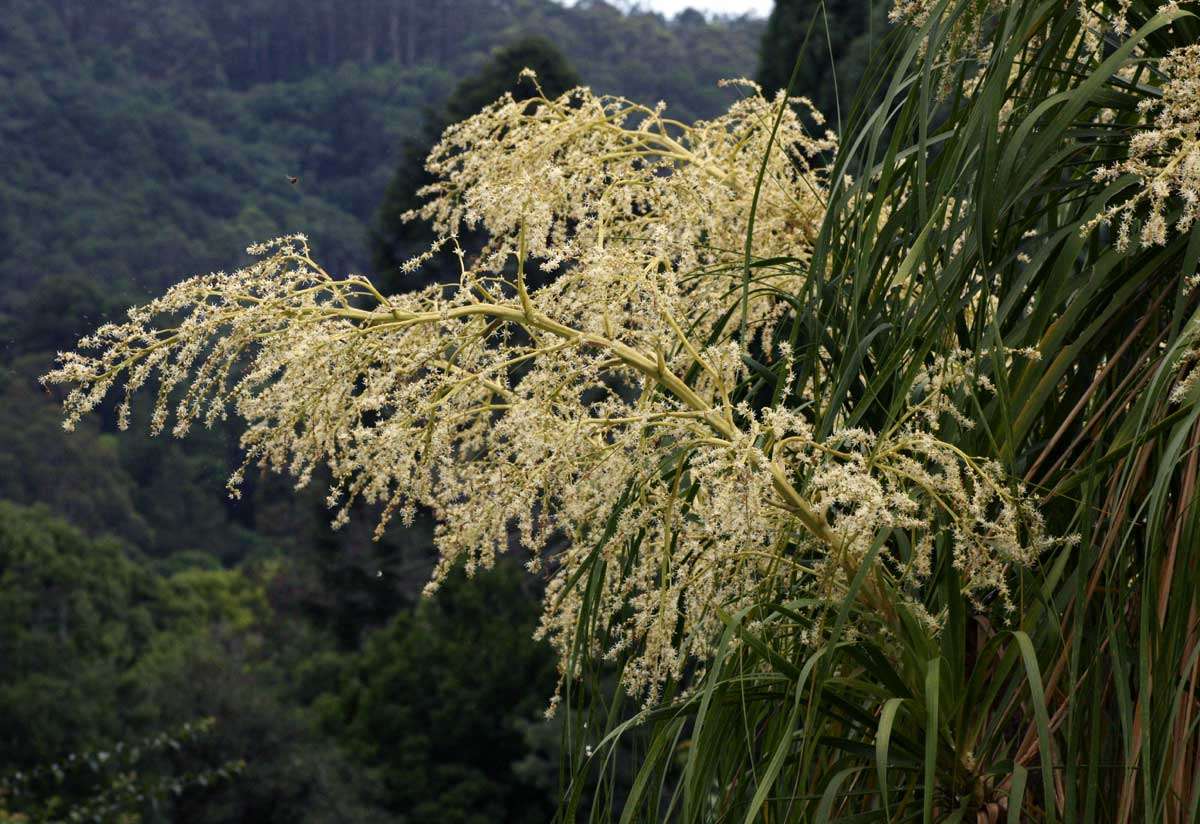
(143, 141)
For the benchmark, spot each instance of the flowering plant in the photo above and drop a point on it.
(695, 369)
(607, 407)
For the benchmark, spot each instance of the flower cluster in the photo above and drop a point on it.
(1100, 22)
(594, 418)
(634, 211)
(909, 478)
(1164, 159)
(1096, 17)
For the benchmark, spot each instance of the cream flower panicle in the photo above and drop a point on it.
(970, 25)
(1164, 158)
(595, 418)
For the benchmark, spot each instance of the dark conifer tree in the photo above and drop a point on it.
(393, 241)
(835, 37)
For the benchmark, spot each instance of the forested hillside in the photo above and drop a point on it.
(145, 141)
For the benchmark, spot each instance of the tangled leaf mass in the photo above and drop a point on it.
(593, 418)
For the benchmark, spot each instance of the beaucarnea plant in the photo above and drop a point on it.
(830, 449)
(600, 407)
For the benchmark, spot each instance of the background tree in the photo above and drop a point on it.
(441, 703)
(833, 39)
(172, 128)
(393, 241)
(99, 648)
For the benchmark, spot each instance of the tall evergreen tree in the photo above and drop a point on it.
(835, 36)
(394, 241)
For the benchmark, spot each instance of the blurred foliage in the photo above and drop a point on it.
(828, 44)
(441, 702)
(143, 142)
(100, 648)
(121, 782)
